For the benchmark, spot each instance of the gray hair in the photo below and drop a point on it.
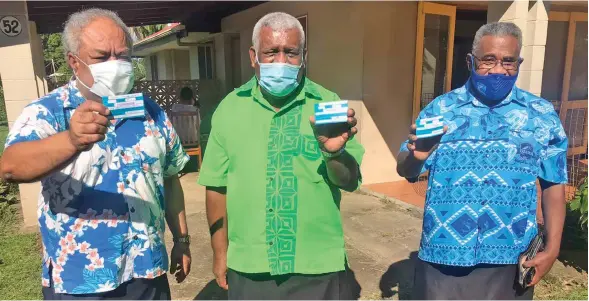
(76, 22)
(497, 29)
(278, 21)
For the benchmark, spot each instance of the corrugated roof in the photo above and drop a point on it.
(162, 33)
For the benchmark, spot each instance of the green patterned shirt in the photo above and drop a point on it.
(282, 211)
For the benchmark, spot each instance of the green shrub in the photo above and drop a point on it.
(579, 204)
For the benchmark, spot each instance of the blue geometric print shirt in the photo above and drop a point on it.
(101, 217)
(481, 199)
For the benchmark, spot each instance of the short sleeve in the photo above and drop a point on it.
(428, 112)
(175, 158)
(356, 150)
(35, 122)
(553, 167)
(215, 164)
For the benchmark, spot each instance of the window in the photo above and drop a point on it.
(205, 61)
(153, 66)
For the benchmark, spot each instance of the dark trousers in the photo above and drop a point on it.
(134, 289)
(481, 282)
(330, 286)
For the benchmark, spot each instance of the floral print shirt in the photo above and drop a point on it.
(101, 216)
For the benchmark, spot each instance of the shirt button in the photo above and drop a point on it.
(127, 182)
(270, 210)
(135, 237)
(489, 132)
(132, 209)
(122, 153)
(270, 243)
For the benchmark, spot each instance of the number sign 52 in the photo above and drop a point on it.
(10, 26)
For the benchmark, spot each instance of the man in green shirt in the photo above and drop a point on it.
(273, 177)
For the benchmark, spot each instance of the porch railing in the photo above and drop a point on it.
(166, 93)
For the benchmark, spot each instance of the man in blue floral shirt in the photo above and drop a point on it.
(107, 185)
(480, 208)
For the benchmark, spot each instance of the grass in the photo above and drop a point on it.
(20, 258)
(3, 134)
(20, 253)
(560, 288)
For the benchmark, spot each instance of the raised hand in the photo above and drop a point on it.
(88, 125)
(422, 148)
(333, 137)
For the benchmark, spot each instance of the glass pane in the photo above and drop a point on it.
(435, 49)
(578, 87)
(202, 65)
(556, 44)
(209, 63)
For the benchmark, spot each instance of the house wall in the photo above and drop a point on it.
(172, 64)
(363, 51)
(181, 64)
(165, 65)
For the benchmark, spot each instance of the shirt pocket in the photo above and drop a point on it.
(524, 152)
(309, 163)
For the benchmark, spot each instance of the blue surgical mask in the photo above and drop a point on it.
(278, 79)
(493, 87)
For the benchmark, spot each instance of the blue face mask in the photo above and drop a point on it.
(278, 79)
(493, 87)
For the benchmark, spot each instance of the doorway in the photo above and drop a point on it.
(444, 38)
(235, 62)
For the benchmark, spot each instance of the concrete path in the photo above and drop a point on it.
(381, 237)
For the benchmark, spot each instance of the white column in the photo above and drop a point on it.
(23, 79)
(533, 22)
(193, 54)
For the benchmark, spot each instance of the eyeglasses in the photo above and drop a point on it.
(490, 63)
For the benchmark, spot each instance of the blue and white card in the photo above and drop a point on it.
(429, 127)
(125, 106)
(331, 112)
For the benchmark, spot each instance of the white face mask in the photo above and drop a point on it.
(111, 78)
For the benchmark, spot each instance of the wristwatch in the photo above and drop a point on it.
(329, 155)
(183, 239)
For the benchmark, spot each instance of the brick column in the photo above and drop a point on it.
(23, 78)
(532, 19)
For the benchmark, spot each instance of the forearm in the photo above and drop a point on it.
(216, 203)
(32, 160)
(554, 211)
(408, 166)
(175, 211)
(343, 171)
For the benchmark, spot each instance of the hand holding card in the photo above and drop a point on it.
(425, 135)
(125, 106)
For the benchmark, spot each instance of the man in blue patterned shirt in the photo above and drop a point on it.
(480, 208)
(107, 185)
